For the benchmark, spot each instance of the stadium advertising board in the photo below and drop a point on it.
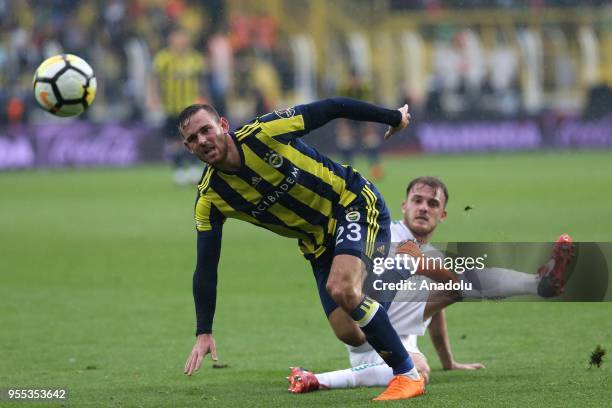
(84, 144)
(81, 144)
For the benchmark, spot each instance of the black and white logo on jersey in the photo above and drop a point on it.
(274, 159)
(285, 113)
(353, 216)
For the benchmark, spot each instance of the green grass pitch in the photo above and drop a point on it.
(95, 290)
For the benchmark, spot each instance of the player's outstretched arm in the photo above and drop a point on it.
(205, 297)
(438, 331)
(321, 112)
(205, 343)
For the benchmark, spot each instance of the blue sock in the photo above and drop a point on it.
(373, 320)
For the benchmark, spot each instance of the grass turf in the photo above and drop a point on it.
(95, 290)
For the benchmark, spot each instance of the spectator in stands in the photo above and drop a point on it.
(180, 81)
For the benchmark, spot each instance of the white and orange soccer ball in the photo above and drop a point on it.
(64, 85)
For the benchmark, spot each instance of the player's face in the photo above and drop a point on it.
(423, 209)
(206, 137)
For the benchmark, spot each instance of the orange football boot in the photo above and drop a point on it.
(402, 387)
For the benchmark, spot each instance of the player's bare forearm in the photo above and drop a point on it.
(205, 279)
(438, 331)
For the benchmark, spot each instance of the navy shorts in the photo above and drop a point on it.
(362, 230)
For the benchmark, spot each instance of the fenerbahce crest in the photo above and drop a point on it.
(353, 216)
(275, 160)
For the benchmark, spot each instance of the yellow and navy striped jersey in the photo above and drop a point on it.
(289, 188)
(283, 184)
(180, 77)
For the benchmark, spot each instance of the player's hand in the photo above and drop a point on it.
(402, 125)
(465, 366)
(204, 344)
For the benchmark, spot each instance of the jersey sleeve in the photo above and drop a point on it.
(320, 112)
(301, 119)
(209, 226)
(207, 217)
(205, 279)
(285, 124)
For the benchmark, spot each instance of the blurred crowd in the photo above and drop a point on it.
(245, 62)
(119, 38)
(471, 4)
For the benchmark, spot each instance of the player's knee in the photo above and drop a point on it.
(344, 282)
(344, 294)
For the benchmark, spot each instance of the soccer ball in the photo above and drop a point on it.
(64, 85)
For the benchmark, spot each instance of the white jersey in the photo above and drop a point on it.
(401, 233)
(406, 310)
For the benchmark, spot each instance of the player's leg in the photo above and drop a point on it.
(344, 287)
(367, 359)
(488, 283)
(365, 375)
(492, 283)
(499, 283)
(363, 230)
(344, 281)
(372, 373)
(405, 315)
(377, 374)
(345, 328)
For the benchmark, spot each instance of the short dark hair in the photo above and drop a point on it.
(188, 112)
(432, 182)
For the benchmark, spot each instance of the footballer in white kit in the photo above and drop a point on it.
(412, 311)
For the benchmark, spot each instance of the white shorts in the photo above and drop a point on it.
(365, 354)
(407, 318)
